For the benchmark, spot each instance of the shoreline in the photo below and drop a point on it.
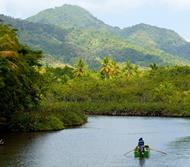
(138, 115)
(114, 114)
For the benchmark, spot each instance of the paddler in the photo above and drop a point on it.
(141, 145)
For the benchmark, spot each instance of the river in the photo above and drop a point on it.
(101, 143)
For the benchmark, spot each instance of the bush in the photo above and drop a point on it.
(35, 121)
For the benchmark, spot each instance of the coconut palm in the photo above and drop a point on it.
(115, 69)
(130, 69)
(107, 68)
(153, 66)
(79, 70)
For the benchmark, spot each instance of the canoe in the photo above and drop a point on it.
(145, 154)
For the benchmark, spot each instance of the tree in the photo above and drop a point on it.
(79, 70)
(20, 83)
(115, 69)
(153, 66)
(130, 69)
(106, 70)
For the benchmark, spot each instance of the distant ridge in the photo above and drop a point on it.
(151, 36)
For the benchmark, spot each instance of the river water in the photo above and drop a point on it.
(101, 143)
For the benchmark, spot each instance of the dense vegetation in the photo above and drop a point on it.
(69, 32)
(126, 90)
(22, 88)
(38, 98)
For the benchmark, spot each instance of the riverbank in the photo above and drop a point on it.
(43, 121)
(126, 109)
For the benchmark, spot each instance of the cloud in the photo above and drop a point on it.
(177, 4)
(23, 8)
(2, 6)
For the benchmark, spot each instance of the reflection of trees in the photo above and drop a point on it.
(181, 146)
(17, 146)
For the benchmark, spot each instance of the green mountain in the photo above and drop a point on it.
(68, 16)
(142, 35)
(148, 36)
(69, 32)
(49, 38)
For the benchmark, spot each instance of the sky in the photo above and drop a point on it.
(171, 14)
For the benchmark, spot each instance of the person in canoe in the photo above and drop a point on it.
(141, 145)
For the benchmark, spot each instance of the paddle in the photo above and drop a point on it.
(128, 152)
(158, 151)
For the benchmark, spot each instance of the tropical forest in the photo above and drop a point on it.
(64, 69)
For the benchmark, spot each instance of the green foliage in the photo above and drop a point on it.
(35, 121)
(154, 66)
(79, 70)
(148, 36)
(68, 16)
(147, 93)
(20, 83)
(22, 86)
(130, 69)
(71, 92)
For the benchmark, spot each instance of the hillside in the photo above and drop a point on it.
(69, 32)
(49, 38)
(148, 36)
(69, 16)
(142, 35)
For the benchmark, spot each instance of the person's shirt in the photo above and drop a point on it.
(141, 143)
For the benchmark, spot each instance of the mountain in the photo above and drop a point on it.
(49, 38)
(69, 16)
(148, 36)
(143, 35)
(69, 32)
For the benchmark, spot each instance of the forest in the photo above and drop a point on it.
(122, 90)
(41, 98)
(22, 88)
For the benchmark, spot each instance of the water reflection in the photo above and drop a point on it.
(142, 162)
(18, 148)
(181, 147)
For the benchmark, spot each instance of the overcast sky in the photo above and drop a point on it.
(172, 14)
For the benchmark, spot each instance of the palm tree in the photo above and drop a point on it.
(115, 69)
(106, 69)
(154, 66)
(79, 70)
(130, 69)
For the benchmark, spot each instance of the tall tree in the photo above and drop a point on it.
(20, 83)
(106, 69)
(153, 66)
(79, 70)
(130, 69)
